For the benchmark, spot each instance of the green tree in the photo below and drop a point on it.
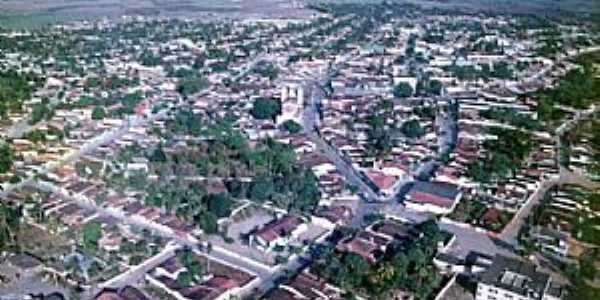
(208, 223)
(10, 219)
(158, 155)
(502, 70)
(98, 113)
(220, 205)
(412, 129)
(265, 108)
(262, 189)
(434, 87)
(291, 126)
(6, 157)
(185, 278)
(403, 90)
(191, 85)
(91, 234)
(39, 112)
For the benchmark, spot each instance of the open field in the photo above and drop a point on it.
(528, 6)
(35, 13)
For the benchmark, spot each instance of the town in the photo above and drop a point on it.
(366, 151)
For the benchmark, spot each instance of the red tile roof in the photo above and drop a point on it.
(277, 228)
(381, 180)
(425, 198)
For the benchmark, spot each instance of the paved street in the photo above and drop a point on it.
(137, 273)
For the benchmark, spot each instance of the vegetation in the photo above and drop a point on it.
(380, 133)
(291, 126)
(430, 87)
(265, 109)
(412, 129)
(582, 274)
(579, 88)
(267, 70)
(504, 155)
(191, 85)
(193, 269)
(408, 269)
(10, 219)
(587, 134)
(402, 90)
(223, 154)
(91, 234)
(40, 112)
(501, 70)
(14, 89)
(511, 117)
(6, 157)
(98, 113)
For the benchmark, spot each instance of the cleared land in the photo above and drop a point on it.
(35, 13)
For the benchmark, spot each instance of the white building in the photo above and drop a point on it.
(513, 279)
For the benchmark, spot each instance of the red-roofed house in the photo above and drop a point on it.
(433, 197)
(385, 183)
(277, 233)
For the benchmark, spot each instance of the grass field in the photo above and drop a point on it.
(33, 20)
(37, 13)
(32, 14)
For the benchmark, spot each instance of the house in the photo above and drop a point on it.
(551, 241)
(278, 232)
(433, 197)
(513, 279)
(385, 184)
(124, 293)
(332, 216)
(221, 281)
(305, 286)
(25, 264)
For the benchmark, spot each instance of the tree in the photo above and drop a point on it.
(14, 88)
(39, 112)
(265, 108)
(291, 126)
(92, 232)
(208, 223)
(98, 113)
(261, 189)
(158, 155)
(220, 205)
(502, 70)
(190, 85)
(6, 157)
(149, 59)
(412, 129)
(10, 219)
(433, 87)
(185, 278)
(403, 90)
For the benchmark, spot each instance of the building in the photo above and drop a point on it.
(433, 197)
(513, 279)
(551, 241)
(278, 232)
(125, 293)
